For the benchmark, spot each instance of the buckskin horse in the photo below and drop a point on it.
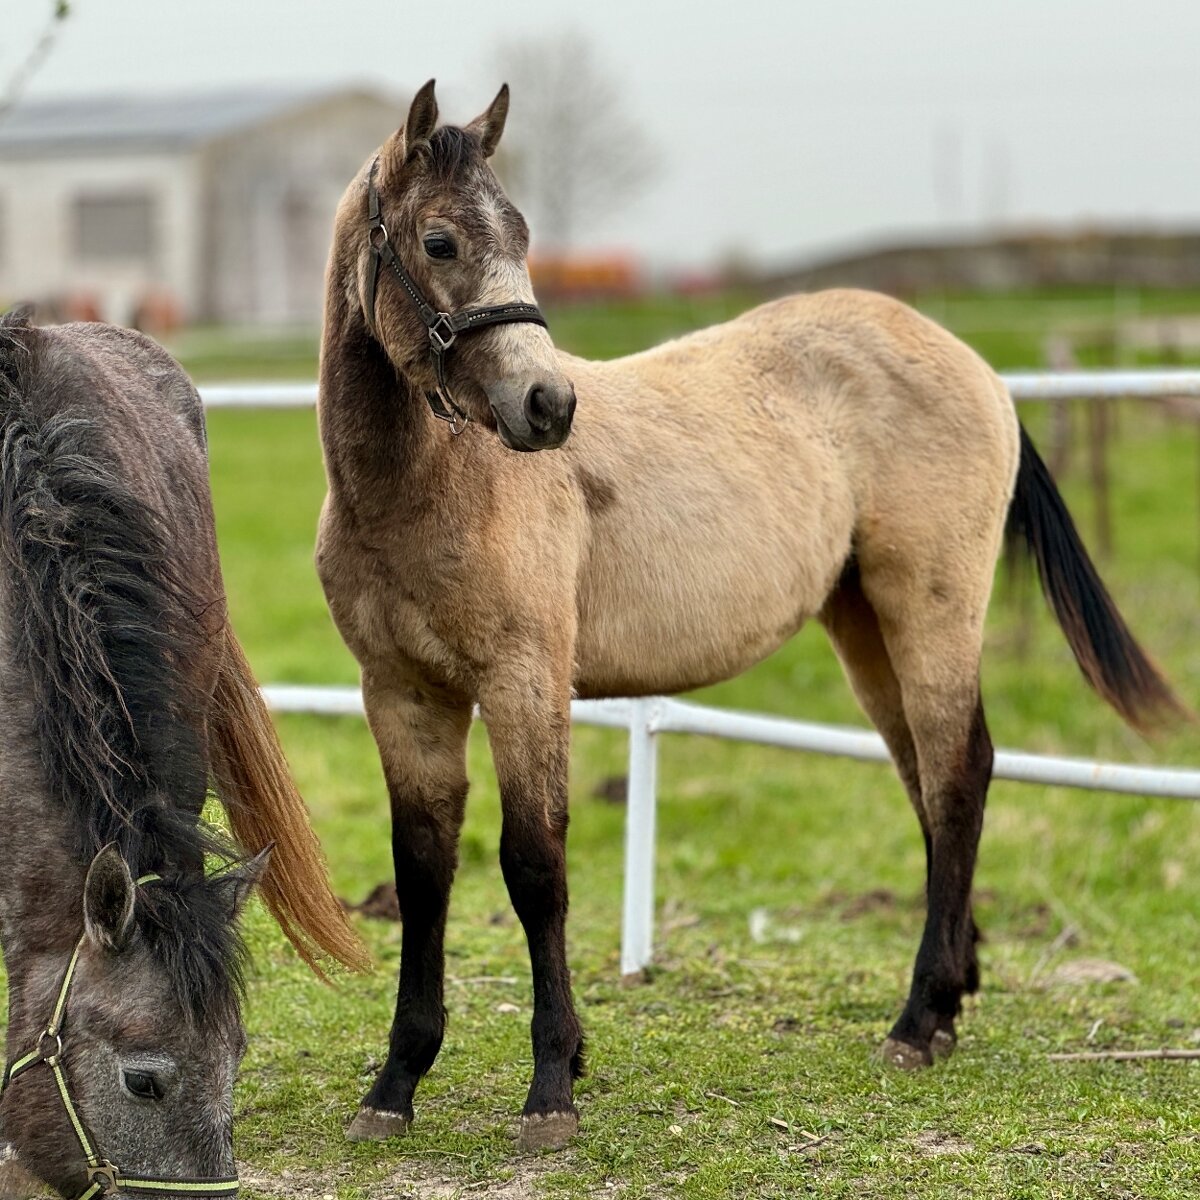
(835, 456)
(122, 692)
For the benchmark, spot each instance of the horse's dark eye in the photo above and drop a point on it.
(437, 246)
(141, 1085)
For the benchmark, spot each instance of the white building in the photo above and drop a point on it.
(223, 202)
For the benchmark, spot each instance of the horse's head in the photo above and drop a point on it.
(146, 1032)
(433, 252)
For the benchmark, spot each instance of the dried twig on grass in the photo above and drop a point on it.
(1122, 1055)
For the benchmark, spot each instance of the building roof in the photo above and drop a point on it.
(108, 124)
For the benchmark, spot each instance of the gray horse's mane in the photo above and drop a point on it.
(99, 622)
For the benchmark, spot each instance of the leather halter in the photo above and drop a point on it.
(104, 1177)
(443, 327)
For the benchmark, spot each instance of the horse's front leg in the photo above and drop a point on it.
(529, 725)
(422, 739)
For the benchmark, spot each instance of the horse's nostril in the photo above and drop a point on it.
(538, 409)
(571, 408)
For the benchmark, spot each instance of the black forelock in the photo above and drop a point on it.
(453, 152)
(187, 926)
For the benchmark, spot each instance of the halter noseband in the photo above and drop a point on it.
(443, 327)
(104, 1178)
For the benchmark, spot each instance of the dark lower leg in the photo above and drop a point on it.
(946, 965)
(424, 851)
(533, 857)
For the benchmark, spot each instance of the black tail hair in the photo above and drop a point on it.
(1107, 653)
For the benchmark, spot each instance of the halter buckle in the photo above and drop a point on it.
(439, 340)
(107, 1176)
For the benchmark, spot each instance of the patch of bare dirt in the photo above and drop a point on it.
(933, 1143)
(381, 904)
(853, 906)
(1080, 971)
(612, 790)
(413, 1180)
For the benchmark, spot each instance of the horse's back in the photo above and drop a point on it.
(130, 371)
(104, 417)
(135, 410)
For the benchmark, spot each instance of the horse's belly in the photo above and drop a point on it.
(657, 616)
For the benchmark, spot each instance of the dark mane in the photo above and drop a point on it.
(101, 622)
(453, 150)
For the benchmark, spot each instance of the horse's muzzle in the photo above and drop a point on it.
(541, 420)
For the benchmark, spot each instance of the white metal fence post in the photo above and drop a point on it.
(637, 918)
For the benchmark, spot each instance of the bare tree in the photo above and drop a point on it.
(60, 10)
(572, 151)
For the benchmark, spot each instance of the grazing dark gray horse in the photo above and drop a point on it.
(122, 692)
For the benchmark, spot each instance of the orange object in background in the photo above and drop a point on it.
(157, 312)
(585, 276)
(78, 306)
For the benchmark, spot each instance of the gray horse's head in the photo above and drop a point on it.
(464, 245)
(151, 1032)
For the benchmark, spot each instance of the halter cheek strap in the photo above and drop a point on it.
(443, 327)
(104, 1178)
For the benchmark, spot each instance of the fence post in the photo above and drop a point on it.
(637, 917)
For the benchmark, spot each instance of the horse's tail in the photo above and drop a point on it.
(254, 784)
(1107, 652)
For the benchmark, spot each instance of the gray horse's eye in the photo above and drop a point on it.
(439, 246)
(141, 1086)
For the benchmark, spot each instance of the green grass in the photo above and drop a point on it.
(744, 1067)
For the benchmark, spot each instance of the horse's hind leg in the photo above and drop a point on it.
(931, 622)
(853, 628)
(528, 722)
(422, 738)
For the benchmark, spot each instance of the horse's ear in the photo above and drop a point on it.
(235, 885)
(422, 118)
(108, 900)
(490, 125)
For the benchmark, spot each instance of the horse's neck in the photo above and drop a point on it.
(374, 426)
(41, 885)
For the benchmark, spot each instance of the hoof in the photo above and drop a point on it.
(376, 1124)
(907, 1058)
(942, 1044)
(546, 1131)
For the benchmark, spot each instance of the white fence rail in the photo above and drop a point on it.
(1024, 385)
(645, 719)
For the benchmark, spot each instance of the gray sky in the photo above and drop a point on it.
(784, 127)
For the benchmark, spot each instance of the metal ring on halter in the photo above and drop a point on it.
(381, 228)
(455, 428)
(58, 1046)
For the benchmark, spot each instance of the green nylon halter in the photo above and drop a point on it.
(104, 1178)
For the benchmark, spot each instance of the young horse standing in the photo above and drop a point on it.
(121, 685)
(834, 456)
